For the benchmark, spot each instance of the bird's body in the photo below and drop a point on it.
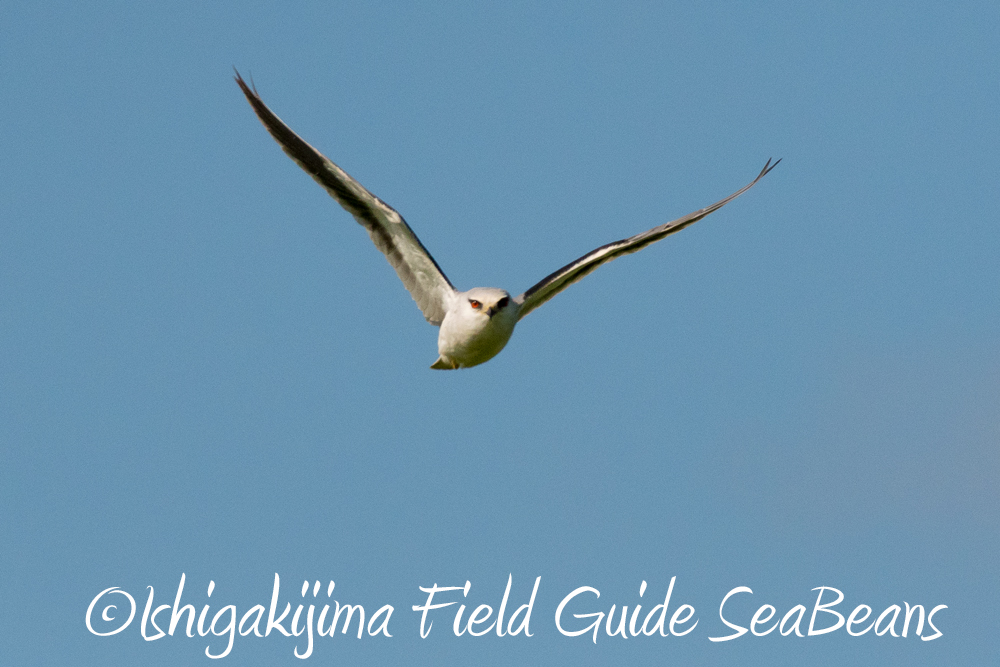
(472, 334)
(476, 324)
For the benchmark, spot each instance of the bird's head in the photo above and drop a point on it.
(488, 301)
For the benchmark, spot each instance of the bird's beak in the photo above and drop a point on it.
(492, 311)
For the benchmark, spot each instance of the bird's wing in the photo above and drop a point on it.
(421, 275)
(556, 282)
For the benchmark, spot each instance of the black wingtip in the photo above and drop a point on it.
(247, 90)
(768, 167)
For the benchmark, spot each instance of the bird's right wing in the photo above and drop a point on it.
(421, 275)
(556, 282)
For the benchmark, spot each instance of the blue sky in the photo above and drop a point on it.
(206, 368)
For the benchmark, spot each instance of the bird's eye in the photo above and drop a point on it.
(502, 303)
(475, 304)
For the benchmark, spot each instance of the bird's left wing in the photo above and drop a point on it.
(556, 282)
(421, 275)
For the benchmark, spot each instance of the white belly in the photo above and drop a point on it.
(472, 340)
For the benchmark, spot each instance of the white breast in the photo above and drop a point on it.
(469, 337)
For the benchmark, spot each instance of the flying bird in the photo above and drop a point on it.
(475, 324)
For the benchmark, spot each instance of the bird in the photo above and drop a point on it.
(476, 324)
